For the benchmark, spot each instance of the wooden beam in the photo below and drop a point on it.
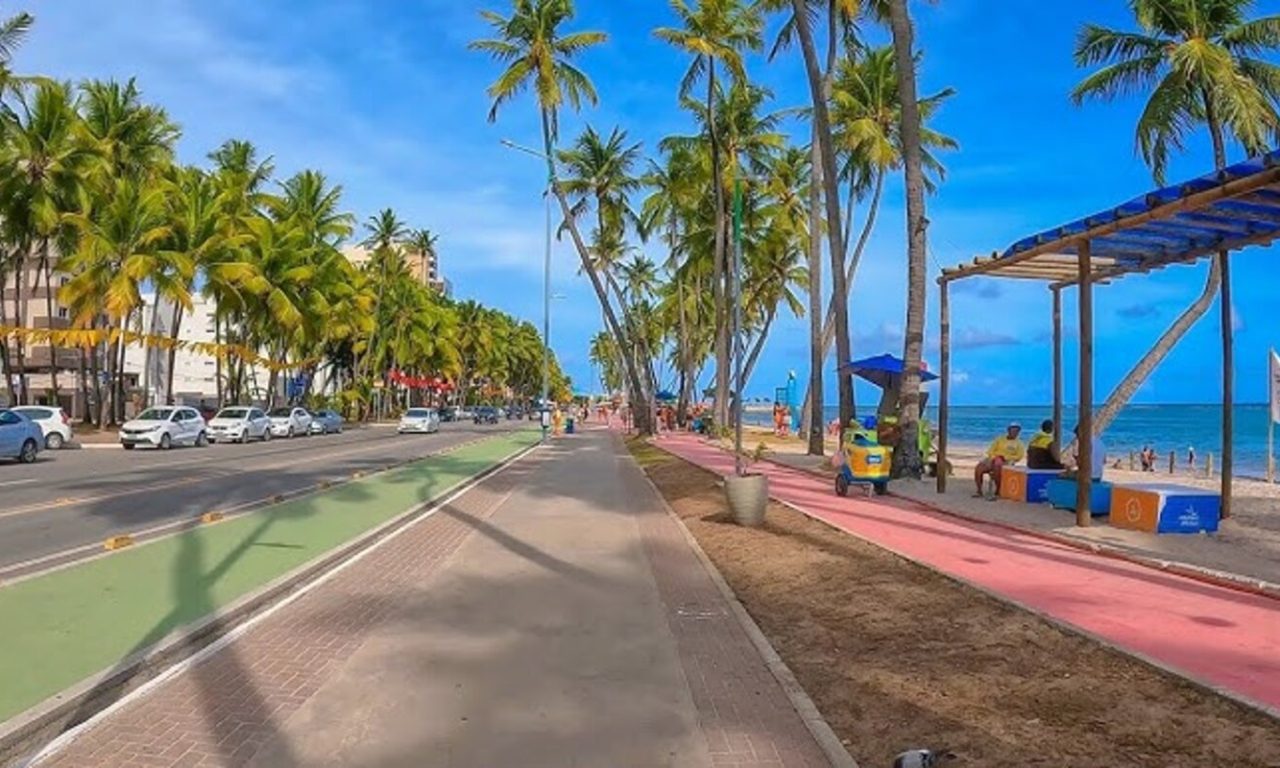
(1084, 439)
(1057, 371)
(1228, 382)
(944, 388)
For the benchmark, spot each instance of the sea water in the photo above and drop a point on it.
(1165, 428)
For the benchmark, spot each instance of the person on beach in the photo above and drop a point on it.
(1040, 452)
(1098, 459)
(1148, 459)
(1005, 449)
(1191, 457)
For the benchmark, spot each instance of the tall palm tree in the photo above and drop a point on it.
(907, 460)
(530, 43)
(13, 31)
(840, 14)
(1200, 61)
(422, 242)
(716, 32)
(46, 163)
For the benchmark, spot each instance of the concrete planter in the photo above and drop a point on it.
(748, 497)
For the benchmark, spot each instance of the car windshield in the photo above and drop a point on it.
(232, 413)
(155, 414)
(280, 412)
(417, 413)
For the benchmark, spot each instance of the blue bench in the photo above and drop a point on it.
(1062, 495)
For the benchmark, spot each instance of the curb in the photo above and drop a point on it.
(24, 736)
(1247, 585)
(1064, 626)
(821, 731)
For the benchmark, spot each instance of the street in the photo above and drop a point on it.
(66, 504)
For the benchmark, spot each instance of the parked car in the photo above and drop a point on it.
(53, 422)
(20, 437)
(486, 414)
(449, 414)
(420, 420)
(288, 421)
(462, 414)
(324, 422)
(514, 413)
(164, 428)
(239, 424)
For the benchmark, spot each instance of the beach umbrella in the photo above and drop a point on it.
(883, 370)
(665, 396)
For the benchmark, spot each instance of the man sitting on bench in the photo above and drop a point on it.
(1040, 452)
(1005, 449)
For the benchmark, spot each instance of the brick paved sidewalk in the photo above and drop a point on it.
(553, 616)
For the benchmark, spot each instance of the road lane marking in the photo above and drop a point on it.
(18, 482)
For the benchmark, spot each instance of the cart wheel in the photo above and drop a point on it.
(842, 485)
(881, 488)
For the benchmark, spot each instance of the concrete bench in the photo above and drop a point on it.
(1062, 495)
(1026, 485)
(1165, 508)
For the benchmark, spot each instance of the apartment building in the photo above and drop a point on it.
(194, 375)
(28, 301)
(425, 268)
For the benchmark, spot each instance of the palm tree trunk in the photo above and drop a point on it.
(48, 311)
(906, 456)
(173, 353)
(217, 364)
(819, 89)
(6, 365)
(20, 308)
(100, 351)
(83, 412)
(812, 414)
(759, 343)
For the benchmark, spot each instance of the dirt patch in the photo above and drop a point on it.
(896, 656)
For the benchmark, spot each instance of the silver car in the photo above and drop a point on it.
(164, 428)
(53, 422)
(288, 421)
(239, 424)
(419, 420)
(324, 422)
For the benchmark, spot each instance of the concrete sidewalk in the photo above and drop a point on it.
(553, 616)
(1220, 637)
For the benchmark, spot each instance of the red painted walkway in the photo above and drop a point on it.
(1220, 637)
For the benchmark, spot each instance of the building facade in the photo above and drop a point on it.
(28, 301)
(194, 375)
(425, 267)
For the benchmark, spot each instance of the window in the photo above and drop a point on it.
(8, 417)
(36, 414)
(62, 312)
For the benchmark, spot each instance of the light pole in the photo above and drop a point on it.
(545, 417)
(738, 347)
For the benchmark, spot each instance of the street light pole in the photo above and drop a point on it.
(739, 469)
(544, 407)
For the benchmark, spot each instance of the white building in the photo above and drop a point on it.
(194, 375)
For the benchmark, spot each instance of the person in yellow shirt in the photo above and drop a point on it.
(1006, 449)
(1040, 453)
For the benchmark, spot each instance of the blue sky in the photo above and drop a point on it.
(385, 99)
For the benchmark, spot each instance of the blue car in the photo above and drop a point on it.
(324, 422)
(20, 437)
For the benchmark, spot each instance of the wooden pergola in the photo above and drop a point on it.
(1209, 216)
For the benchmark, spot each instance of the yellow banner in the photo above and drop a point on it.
(84, 338)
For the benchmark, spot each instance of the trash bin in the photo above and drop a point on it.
(568, 426)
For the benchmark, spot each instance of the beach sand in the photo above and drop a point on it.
(1246, 546)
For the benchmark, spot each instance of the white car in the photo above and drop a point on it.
(53, 423)
(164, 428)
(239, 425)
(289, 421)
(420, 420)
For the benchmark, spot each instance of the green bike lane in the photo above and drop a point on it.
(68, 625)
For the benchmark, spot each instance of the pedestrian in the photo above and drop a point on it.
(1191, 457)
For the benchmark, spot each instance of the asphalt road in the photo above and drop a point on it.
(69, 502)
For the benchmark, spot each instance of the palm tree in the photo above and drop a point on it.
(1199, 61)
(826, 170)
(281, 299)
(906, 456)
(12, 32)
(423, 243)
(46, 164)
(716, 32)
(530, 43)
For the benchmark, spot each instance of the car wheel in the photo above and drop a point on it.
(29, 451)
(166, 442)
(127, 446)
(202, 440)
(266, 435)
(53, 441)
(289, 434)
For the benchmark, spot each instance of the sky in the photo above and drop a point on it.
(387, 101)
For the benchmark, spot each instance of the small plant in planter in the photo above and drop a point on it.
(748, 493)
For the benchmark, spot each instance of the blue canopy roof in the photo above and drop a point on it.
(1225, 210)
(880, 369)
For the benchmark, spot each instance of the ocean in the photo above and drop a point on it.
(1164, 427)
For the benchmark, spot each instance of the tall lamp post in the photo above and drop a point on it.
(545, 407)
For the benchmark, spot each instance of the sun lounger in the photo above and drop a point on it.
(1062, 495)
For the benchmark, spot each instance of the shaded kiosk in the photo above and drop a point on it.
(1206, 217)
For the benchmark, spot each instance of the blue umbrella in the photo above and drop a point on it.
(666, 395)
(881, 370)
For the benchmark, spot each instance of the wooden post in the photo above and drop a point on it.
(1057, 372)
(1228, 381)
(944, 389)
(1173, 461)
(1084, 441)
(1208, 465)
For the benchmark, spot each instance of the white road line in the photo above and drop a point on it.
(67, 737)
(17, 482)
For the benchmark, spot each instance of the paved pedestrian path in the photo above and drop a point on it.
(1221, 637)
(553, 616)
